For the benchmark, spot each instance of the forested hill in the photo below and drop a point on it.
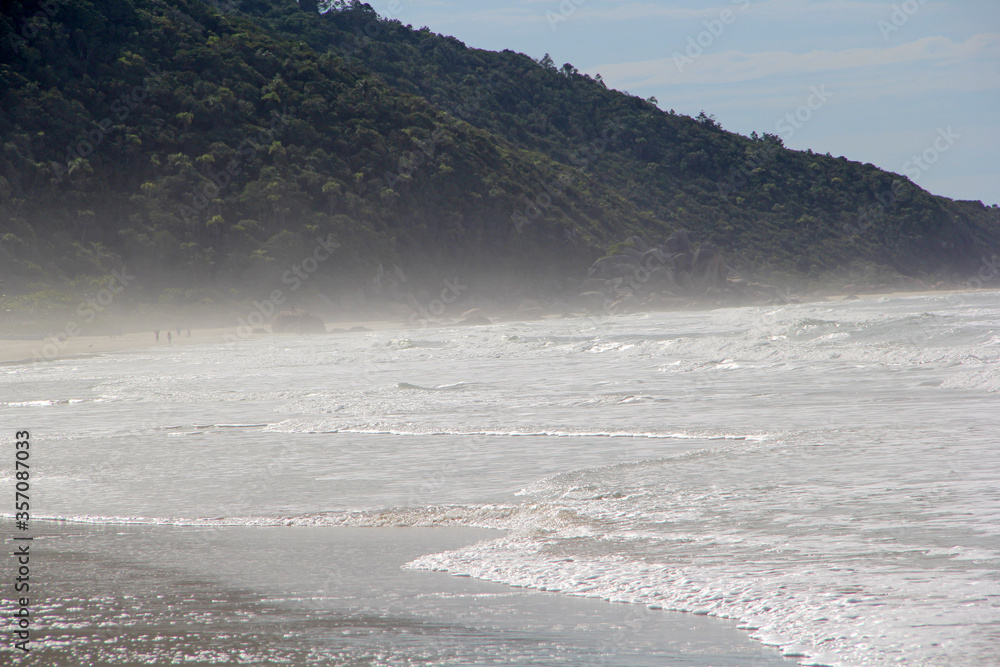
(208, 146)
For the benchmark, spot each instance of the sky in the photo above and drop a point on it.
(911, 86)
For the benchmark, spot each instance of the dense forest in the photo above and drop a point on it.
(208, 147)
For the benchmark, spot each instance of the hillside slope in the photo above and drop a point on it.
(209, 150)
(767, 206)
(206, 151)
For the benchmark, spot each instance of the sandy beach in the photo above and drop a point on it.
(50, 348)
(47, 349)
(142, 594)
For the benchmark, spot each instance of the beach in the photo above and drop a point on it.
(814, 481)
(141, 594)
(46, 349)
(63, 346)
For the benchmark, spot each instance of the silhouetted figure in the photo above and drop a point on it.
(189, 333)
(170, 338)
(157, 336)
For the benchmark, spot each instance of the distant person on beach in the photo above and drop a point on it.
(170, 338)
(157, 336)
(178, 331)
(189, 333)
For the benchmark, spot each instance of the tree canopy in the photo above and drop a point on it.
(213, 144)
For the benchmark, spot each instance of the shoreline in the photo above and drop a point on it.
(15, 351)
(282, 594)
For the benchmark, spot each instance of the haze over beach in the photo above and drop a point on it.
(419, 333)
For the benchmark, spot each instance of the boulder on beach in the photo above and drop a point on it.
(474, 321)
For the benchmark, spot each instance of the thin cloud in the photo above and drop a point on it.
(737, 66)
(778, 9)
(535, 11)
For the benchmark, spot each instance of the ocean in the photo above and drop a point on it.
(813, 483)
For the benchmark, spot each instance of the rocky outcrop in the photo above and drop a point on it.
(297, 321)
(670, 269)
(669, 275)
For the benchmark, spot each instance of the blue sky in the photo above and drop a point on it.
(879, 82)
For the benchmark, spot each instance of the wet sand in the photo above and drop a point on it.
(140, 594)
